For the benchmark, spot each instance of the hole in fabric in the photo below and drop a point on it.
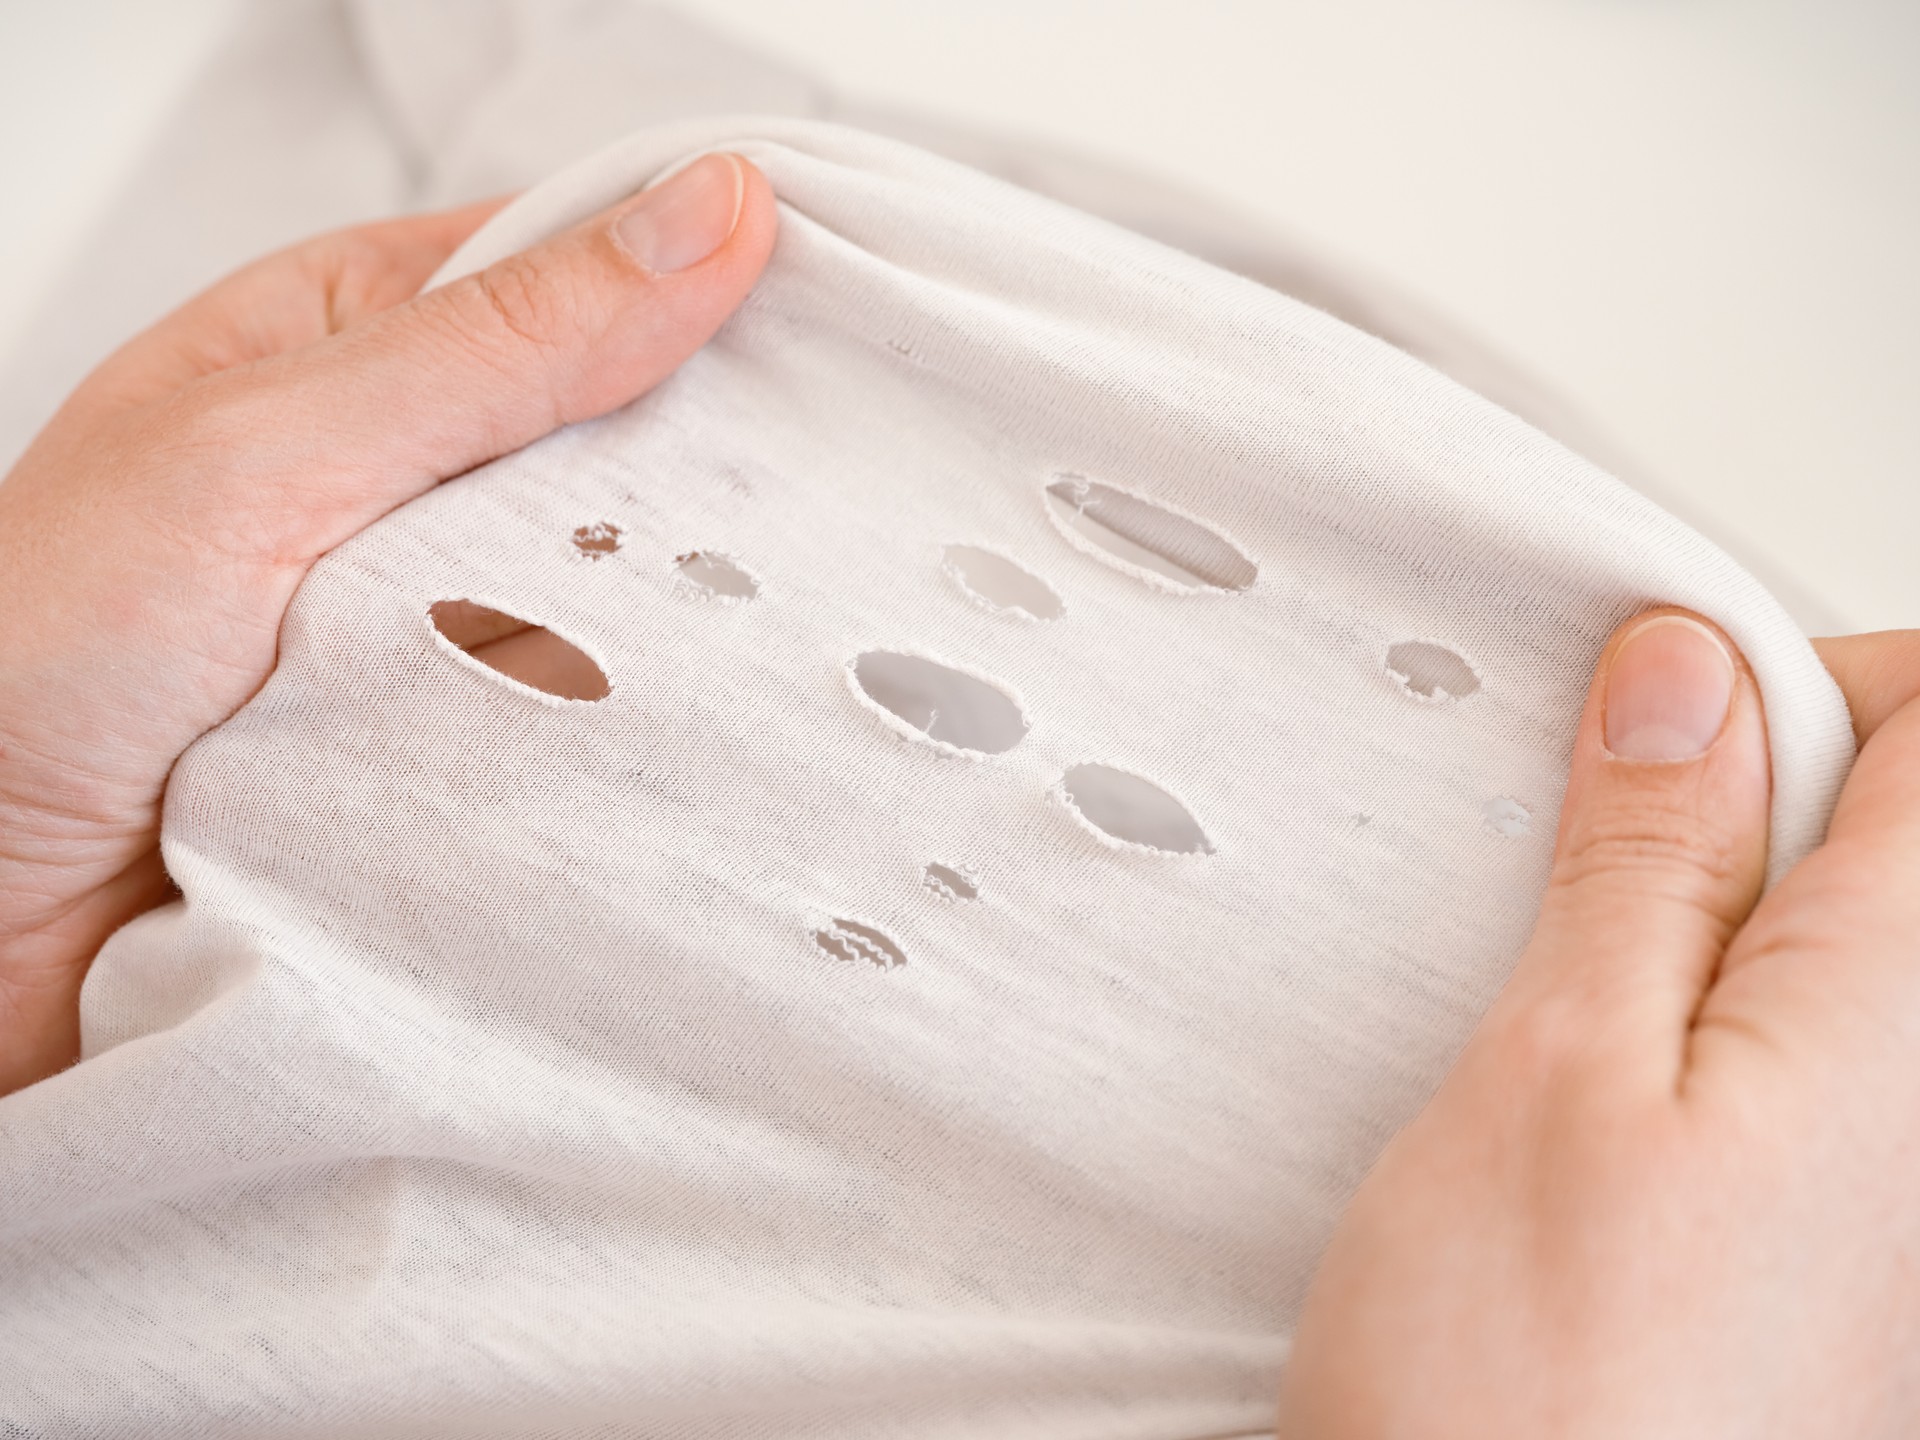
(597, 539)
(850, 940)
(950, 882)
(717, 575)
(942, 703)
(1133, 809)
(519, 649)
(1139, 536)
(1428, 671)
(1506, 816)
(997, 581)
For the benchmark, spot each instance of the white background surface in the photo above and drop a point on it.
(1700, 219)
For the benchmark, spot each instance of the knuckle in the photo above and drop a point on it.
(350, 270)
(1659, 842)
(528, 301)
(527, 321)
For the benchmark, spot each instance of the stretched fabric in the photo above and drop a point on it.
(1062, 744)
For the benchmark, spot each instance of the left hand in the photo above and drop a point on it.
(152, 537)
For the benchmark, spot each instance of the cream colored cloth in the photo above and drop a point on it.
(800, 1040)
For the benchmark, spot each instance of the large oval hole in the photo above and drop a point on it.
(1428, 671)
(520, 650)
(1002, 584)
(1136, 534)
(1133, 809)
(940, 702)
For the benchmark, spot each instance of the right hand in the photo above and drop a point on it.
(1672, 1188)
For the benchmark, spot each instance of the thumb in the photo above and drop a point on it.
(460, 375)
(1661, 853)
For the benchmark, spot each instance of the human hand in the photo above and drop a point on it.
(154, 534)
(1670, 1187)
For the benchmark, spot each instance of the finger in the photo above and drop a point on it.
(426, 390)
(1662, 850)
(1827, 972)
(471, 625)
(535, 656)
(283, 302)
(1880, 804)
(1878, 673)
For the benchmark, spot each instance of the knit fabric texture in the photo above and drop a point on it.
(1079, 746)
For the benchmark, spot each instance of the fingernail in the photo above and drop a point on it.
(1668, 691)
(686, 217)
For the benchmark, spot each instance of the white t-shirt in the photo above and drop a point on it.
(800, 1040)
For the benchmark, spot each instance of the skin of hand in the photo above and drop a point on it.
(155, 532)
(1669, 1189)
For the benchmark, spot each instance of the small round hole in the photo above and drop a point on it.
(950, 882)
(597, 539)
(850, 940)
(716, 575)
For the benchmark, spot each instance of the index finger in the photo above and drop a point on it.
(282, 302)
(1878, 673)
(1830, 959)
